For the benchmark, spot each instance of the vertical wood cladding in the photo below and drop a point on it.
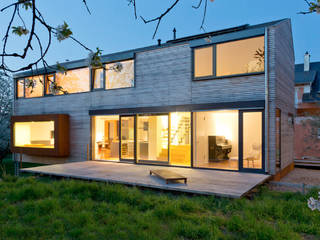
(281, 90)
(163, 77)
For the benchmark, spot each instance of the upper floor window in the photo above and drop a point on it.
(34, 86)
(74, 81)
(120, 75)
(97, 78)
(49, 83)
(20, 88)
(230, 58)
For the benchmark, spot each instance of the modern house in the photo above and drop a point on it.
(307, 102)
(219, 100)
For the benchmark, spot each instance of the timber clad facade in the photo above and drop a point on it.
(168, 117)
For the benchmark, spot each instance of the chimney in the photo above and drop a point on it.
(159, 42)
(306, 62)
(174, 34)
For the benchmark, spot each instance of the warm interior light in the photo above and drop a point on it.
(34, 134)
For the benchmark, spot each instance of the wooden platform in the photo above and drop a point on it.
(168, 175)
(207, 182)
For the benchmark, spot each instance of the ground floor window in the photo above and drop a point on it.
(152, 138)
(217, 139)
(106, 137)
(252, 140)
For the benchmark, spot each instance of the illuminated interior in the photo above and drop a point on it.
(98, 79)
(20, 88)
(252, 140)
(180, 138)
(216, 139)
(127, 138)
(74, 81)
(152, 138)
(106, 137)
(37, 90)
(34, 134)
(203, 64)
(120, 79)
(49, 79)
(239, 57)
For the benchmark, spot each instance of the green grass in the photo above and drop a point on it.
(43, 208)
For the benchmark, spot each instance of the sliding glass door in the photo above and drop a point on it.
(152, 138)
(251, 140)
(127, 139)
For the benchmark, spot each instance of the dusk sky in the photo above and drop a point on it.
(112, 26)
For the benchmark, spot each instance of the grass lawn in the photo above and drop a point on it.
(43, 208)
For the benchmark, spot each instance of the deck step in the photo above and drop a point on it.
(307, 162)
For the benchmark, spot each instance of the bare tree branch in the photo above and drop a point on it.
(159, 18)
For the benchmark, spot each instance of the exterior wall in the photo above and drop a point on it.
(281, 91)
(163, 77)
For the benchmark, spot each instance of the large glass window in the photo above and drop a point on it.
(216, 139)
(120, 75)
(20, 88)
(180, 138)
(230, 58)
(152, 138)
(106, 137)
(127, 137)
(74, 81)
(243, 56)
(252, 140)
(97, 78)
(34, 134)
(203, 65)
(34, 86)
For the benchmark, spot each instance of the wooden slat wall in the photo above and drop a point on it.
(162, 77)
(281, 89)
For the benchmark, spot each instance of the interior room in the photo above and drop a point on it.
(152, 138)
(106, 137)
(216, 139)
(180, 138)
(252, 140)
(34, 134)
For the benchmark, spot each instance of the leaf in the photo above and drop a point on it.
(20, 30)
(26, 4)
(63, 32)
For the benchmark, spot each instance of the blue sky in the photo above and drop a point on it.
(112, 26)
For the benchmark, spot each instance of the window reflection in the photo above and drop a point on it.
(74, 81)
(34, 86)
(97, 76)
(20, 88)
(120, 77)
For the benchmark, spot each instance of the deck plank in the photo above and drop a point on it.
(207, 182)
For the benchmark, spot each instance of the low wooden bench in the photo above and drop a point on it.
(168, 175)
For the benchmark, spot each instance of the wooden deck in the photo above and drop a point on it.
(207, 182)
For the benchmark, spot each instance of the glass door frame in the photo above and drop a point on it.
(134, 160)
(149, 161)
(241, 167)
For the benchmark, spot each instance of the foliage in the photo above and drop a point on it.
(63, 32)
(313, 7)
(20, 30)
(43, 208)
(6, 98)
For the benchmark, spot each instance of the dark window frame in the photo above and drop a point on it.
(45, 83)
(92, 74)
(214, 61)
